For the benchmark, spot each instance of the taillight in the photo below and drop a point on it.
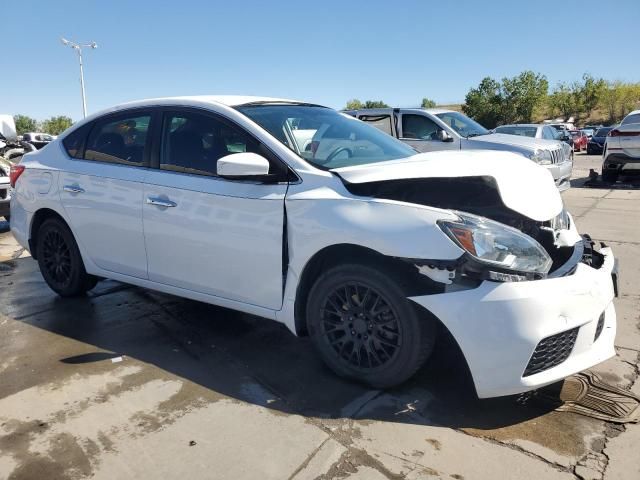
(617, 133)
(14, 174)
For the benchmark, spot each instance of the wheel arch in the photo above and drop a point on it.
(402, 270)
(37, 220)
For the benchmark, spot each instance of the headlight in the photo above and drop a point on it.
(497, 245)
(541, 157)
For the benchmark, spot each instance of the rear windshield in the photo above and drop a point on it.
(325, 138)
(635, 118)
(522, 131)
(602, 132)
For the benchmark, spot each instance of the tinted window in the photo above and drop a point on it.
(602, 132)
(74, 142)
(635, 118)
(419, 127)
(119, 141)
(193, 143)
(381, 122)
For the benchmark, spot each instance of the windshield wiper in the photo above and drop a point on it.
(475, 134)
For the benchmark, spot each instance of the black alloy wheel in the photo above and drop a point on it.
(361, 326)
(365, 328)
(60, 261)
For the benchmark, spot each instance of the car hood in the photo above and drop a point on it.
(523, 186)
(517, 140)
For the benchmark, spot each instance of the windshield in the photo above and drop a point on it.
(522, 131)
(462, 124)
(602, 132)
(324, 137)
(635, 118)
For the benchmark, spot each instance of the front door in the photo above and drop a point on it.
(102, 192)
(205, 233)
(421, 133)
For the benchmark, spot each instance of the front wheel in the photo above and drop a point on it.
(365, 328)
(60, 261)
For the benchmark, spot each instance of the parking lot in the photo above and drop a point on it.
(130, 383)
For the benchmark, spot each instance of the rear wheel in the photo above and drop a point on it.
(60, 261)
(365, 328)
(609, 176)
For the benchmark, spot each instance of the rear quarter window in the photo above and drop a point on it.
(75, 141)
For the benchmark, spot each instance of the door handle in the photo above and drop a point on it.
(161, 202)
(73, 189)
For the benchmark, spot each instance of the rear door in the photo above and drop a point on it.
(205, 233)
(102, 189)
(629, 135)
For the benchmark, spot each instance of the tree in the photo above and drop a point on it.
(484, 103)
(563, 100)
(353, 104)
(56, 125)
(591, 91)
(25, 124)
(427, 103)
(375, 104)
(521, 94)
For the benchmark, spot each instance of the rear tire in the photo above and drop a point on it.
(364, 327)
(609, 177)
(60, 261)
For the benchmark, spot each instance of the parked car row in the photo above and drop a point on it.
(437, 129)
(303, 215)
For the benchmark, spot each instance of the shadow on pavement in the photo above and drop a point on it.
(234, 354)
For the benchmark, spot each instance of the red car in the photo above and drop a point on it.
(580, 140)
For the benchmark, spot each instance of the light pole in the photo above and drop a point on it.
(78, 48)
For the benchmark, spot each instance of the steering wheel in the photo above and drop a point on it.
(334, 154)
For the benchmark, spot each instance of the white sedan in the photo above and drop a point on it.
(352, 237)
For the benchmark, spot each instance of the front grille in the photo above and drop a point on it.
(599, 327)
(551, 352)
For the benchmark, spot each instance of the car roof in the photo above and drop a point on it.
(521, 125)
(633, 113)
(227, 100)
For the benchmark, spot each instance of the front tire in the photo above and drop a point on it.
(365, 328)
(60, 261)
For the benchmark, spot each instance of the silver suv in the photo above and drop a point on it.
(437, 129)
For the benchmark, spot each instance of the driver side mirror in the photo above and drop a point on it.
(244, 165)
(444, 136)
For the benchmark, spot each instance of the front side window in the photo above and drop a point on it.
(325, 138)
(193, 143)
(381, 122)
(463, 125)
(419, 127)
(119, 141)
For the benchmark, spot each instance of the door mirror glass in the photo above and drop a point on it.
(444, 136)
(242, 165)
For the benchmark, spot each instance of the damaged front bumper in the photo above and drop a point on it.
(518, 336)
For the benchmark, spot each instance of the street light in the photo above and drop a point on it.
(78, 48)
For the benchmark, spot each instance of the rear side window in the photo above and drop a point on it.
(193, 143)
(119, 141)
(381, 122)
(74, 142)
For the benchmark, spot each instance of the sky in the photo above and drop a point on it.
(325, 51)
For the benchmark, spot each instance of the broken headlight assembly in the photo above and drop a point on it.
(502, 252)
